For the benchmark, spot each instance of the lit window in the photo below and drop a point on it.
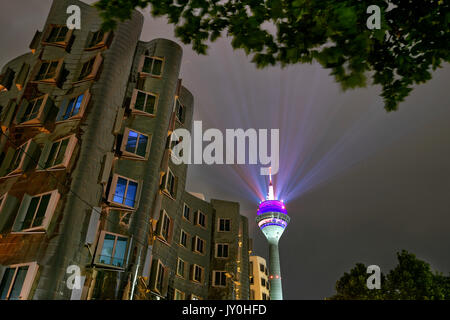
(220, 279)
(73, 107)
(113, 249)
(144, 102)
(136, 143)
(224, 225)
(153, 66)
(17, 281)
(124, 191)
(222, 250)
(181, 266)
(187, 212)
(35, 212)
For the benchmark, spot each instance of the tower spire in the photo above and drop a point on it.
(270, 195)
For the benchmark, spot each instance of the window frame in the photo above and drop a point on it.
(182, 231)
(218, 224)
(214, 273)
(143, 112)
(165, 216)
(196, 241)
(36, 120)
(99, 249)
(184, 210)
(61, 44)
(202, 269)
(67, 154)
(128, 154)
(84, 103)
(49, 212)
(166, 179)
(197, 219)
(183, 276)
(217, 250)
(113, 187)
(98, 60)
(177, 104)
(160, 267)
(19, 168)
(52, 80)
(29, 279)
(183, 295)
(102, 43)
(142, 62)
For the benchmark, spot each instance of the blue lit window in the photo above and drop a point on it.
(114, 249)
(137, 143)
(73, 108)
(125, 192)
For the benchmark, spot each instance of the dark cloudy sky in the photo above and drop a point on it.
(360, 184)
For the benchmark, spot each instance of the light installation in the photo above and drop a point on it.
(272, 219)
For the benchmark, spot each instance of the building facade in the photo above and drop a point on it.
(91, 205)
(259, 279)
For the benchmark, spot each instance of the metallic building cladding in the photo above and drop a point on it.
(97, 158)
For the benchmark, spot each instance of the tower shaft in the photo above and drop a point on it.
(276, 290)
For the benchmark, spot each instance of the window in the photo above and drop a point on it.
(90, 68)
(252, 281)
(135, 144)
(32, 110)
(261, 267)
(198, 245)
(178, 295)
(144, 102)
(6, 79)
(49, 71)
(224, 225)
(165, 226)
(18, 158)
(57, 154)
(194, 297)
(58, 35)
(219, 278)
(252, 294)
(263, 282)
(187, 212)
(200, 219)
(183, 238)
(35, 212)
(159, 285)
(170, 184)
(181, 267)
(264, 296)
(152, 66)
(180, 111)
(73, 108)
(125, 191)
(251, 268)
(222, 250)
(96, 39)
(197, 273)
(112, 250)
(17, 281)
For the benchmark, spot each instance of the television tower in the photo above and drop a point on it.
(272, 219)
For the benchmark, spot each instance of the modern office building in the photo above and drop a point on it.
(259, 279)
(91, 205)
(272, 219)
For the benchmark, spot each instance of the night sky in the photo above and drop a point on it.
(360, 184)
